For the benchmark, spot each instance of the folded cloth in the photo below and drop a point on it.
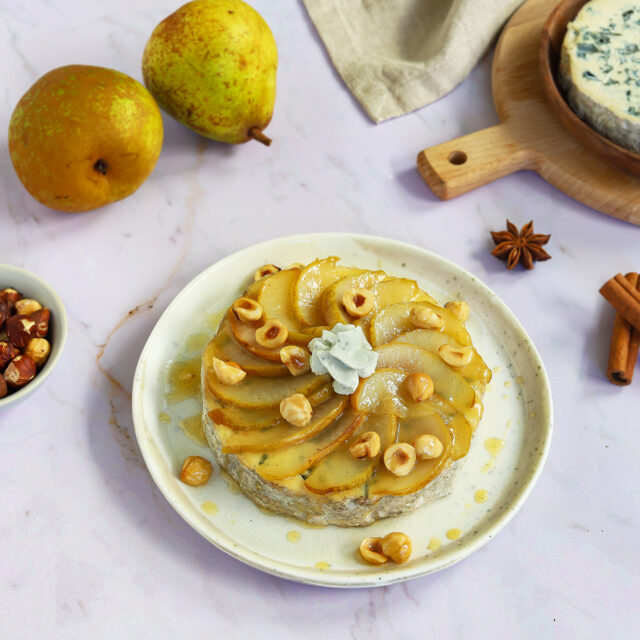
(398, 55)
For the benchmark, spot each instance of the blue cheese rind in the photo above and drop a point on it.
(600, 69)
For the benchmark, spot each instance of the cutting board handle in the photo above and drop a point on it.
(460, 165)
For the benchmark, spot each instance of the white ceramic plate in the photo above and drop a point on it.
(518, 411)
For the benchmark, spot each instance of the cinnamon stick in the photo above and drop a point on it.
(624, 298)
(625, 340)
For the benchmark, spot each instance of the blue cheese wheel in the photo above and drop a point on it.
(600, 69)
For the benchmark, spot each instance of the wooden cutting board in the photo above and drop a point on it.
(529, 135)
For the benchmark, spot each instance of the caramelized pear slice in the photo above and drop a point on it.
(340, 471)
(476, 371)
(447, 383)
(462, 433)
(394, 320)
(332, 306)
(312, 281)
(461, 430)
(385, 483)
(260, 393)
(383, 394)
(380, 394)
(243, 419)
(253, 289)
(225, 347)
(392, 291)
(276, 298)
(395, 290)
(282, 435)
(297, 459)
(256, 419)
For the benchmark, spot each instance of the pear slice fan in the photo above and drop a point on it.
(310, 472)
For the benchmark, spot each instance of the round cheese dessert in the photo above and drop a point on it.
(600, 69)
(340, 395)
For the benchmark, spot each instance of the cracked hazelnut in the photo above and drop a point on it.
(20, 329)
(10, 296)
(427, 447)
(367, 446)
(455, 357)
(38, 349)
(419, 386)
(7, 353)
(459, 309)
(21, 369)
(228, 372)
(296, 410)
(41, 318)
(426, 318)
(358, 302)
(265, 270)
(296, 359)
(272, 334)
(27, 306)
(371, 551)
(196, 471)
(400, 458)
(247, 309)
(397, 546)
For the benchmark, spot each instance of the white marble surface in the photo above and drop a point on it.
(88, 546)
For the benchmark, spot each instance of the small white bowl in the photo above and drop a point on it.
(31, 286)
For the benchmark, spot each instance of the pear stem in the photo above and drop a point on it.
(256, 134)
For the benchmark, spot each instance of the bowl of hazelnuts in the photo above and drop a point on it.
(33, 331)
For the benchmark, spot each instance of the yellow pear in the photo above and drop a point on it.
(82, 137)
(212, 66)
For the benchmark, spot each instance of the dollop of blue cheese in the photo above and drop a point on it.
(345, 354)
(600, 68)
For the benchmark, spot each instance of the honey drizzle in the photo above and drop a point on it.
(209, 507)
(183, 380)
(192, 427)
(293, 536)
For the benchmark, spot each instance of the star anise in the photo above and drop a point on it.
(520, 246)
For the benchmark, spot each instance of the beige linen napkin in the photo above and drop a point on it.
(398, 55)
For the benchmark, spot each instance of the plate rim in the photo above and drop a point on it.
(309, 575)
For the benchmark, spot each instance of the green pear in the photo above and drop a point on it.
(212, 66)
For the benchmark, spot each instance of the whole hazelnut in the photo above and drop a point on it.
(27, 306)
(3, 387)
(196, 471)
(20, 330)
(371, 551)
(38, 349)
(272, 334)
(400, 458)
(41, 318)
(397, 546)
(7, 353)
(21, 370)
(428, 446)
(10, 296)
(265, 270)
(5, 313)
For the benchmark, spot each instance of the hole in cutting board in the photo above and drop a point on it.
(457, 157)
